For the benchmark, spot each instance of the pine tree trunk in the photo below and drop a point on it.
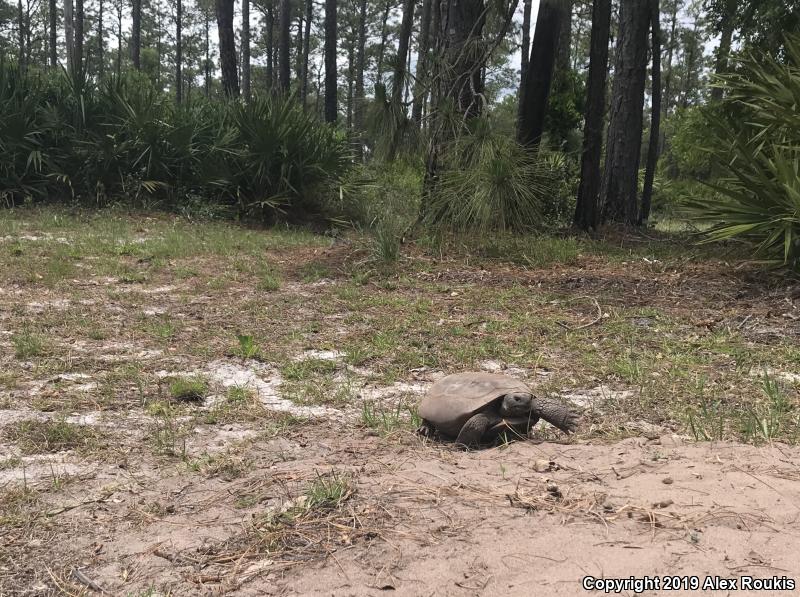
(724, 49)
(306, 47)
(53, 15)
(404, 34)
(586, 207)
(420, 90)
(284, 46)
(668, 69)
(179, 51)
(331, 109)
(358, 115)
(270, 46)
(21, 36)
(246, 49)
(689, 68)
(298, 49)
(78, 49)
(565, 40)
(119, 38)
(207, 65)
(620, 178)
(655, 113)
(227, 48)
(384, 36)
(69, 34)
(100, 48)
(525, 55)
(460, 23)
(351, 59)
(136, 34)
(540, 70)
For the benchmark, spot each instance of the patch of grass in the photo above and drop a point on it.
(329, 491)
(268, 281)
(225, 466)
(314, 272)
(167, 434)
(33, 436)
(9, 463)
(247, 349)
(307, 368)
(164, 329)
(27, 344)
(767, 419)
(188, 389)
(375, 415)
(240, 404)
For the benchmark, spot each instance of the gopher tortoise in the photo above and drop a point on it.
(477, 407)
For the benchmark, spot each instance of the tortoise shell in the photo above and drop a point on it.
(453, 400)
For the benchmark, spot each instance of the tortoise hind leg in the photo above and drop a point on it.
(475, 428)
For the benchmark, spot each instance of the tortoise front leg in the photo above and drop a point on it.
(475, 427)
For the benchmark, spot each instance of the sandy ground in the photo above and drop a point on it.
(296, 497)
(527, 518)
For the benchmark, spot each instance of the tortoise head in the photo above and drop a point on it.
(517, 404)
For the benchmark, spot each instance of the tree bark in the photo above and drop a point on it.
(539, 76)
(586, 207)
(360, 64)
(227, 48)
(69, 35)
(398, 82)
(53, 15)
(384, 36)
(270, 45)
(655, 113)
(284, 46)
(525, 55)
(100, 41)
(420, 85)
(78, 49)
(351, 60)
(565, 40)
(724, 49)
(460, 23)
(246, 49)
(331, 108)
(620, 178)
(298, 52)
(207, 65)
(119, 38)
(670, 51)
(21, 36)
(136, 34)
(306, 46)
(179, 51)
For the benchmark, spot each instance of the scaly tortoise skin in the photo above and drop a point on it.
(476, 407)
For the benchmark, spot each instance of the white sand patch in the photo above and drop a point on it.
(152, 311)
(41, 307)
(34, 238)
(113, 352)
(492, 366)
(594, 397)
(45, 468)
(265, 381)
(400, 388)
(787, 376)
(321, 355)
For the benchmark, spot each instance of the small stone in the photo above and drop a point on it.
(667, 481)
(663, 503)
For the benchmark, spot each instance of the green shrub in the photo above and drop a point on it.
(489, 182)
(756, 143)
(124, 140)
